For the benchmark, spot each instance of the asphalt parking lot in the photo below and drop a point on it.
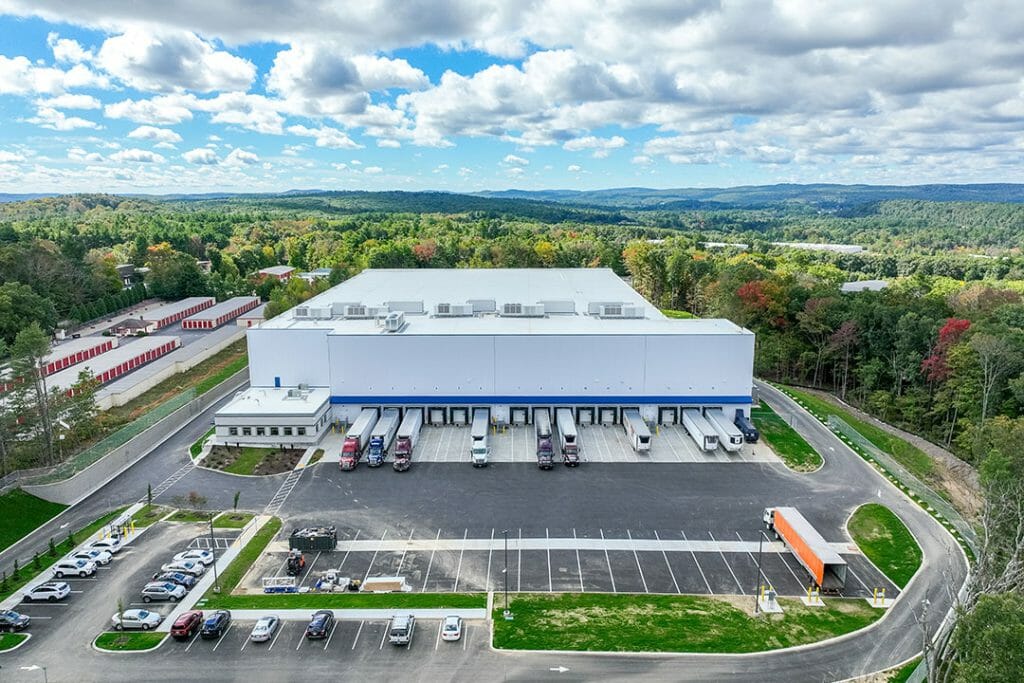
(574, 560)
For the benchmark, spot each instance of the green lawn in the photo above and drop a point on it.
(22, 513)
(669, 623)
(10, 640)
(230, 577)
(232, 520)
(125, 641)
(884, 540)
(193, 515)
(207, 383)
(784, 440)
(196, 448)
(149, 514)
(913, 458)
(315, 601)
(902, 674)
(247, 461)
(318, 454)
(669, 313)
(46, 560)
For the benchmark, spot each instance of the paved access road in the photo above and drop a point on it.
(458, 500)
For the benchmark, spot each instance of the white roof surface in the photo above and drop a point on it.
(73, 346)
(277, 270)
(271, 401)
(864, 285)
(158, 314)
(105, 361)
(582, 286)
(223, 308)
(255, 314)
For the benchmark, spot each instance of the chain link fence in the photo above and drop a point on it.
(938, 506)
(82, 460)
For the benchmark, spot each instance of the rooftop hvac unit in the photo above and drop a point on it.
(482, 305)
(395, 321)
(405, 306)
(446, 310)
(518, 310)
(621, 311)
(301, 312)
(558, 306)
(320, 312)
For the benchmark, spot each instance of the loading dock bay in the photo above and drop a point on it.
(599, 443)
(669, 561)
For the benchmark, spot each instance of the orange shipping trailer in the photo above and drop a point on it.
(825, 565)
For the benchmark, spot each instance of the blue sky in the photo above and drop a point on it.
(458, 95)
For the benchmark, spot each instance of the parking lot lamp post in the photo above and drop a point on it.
(213, 550)
(757, 586)
(505, 572)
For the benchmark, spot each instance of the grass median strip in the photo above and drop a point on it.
(9, 641)
(193, 516)
(315, 601)
(121, 641)
(196, 448)
(15, 580)
(232, 520)
(669, 623)
(22, 513)
(230, 577)
(785, 441)
(886, 541)
(149, 514)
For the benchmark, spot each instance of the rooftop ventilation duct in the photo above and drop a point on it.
(394, 322)
(447, 310)
(519, 310)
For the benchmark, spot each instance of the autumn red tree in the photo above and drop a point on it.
(935, 367)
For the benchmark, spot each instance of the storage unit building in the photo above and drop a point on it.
(116, 362)
(253, 317)
(277, 272)
(452, 340)
(215, 316)
(75, 351)
(173, 312)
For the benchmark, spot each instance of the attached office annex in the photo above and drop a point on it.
(509, 340)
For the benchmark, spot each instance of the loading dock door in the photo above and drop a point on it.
(606, 416)
(585, 416)
(520, 415)
(436, 416)
(460, 416)
(668, 415)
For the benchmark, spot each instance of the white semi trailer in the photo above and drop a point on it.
(699, 429)
(729, 436)
(479, 449)
(568, 440)
(382, 436)
(405, 440)
(357, 438)
(637, 431)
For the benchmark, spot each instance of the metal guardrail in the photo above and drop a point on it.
(946, 514)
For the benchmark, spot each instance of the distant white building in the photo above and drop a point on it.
(864, 286)
(818, 246)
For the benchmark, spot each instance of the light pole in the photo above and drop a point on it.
(213, 551)
(757, 584)
(508, 614)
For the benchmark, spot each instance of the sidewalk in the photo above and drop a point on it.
(354, 614)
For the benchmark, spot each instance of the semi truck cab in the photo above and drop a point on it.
(350, 454)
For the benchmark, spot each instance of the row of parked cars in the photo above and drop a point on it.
(170, 584)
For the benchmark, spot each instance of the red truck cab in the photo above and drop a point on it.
(350, 454)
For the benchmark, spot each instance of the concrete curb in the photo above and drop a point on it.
(97, 648)
(474, 614)
(28, 637)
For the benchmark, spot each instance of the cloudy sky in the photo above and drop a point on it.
(200, 95)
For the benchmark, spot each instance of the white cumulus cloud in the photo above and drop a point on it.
(142, 156)
(203, 156)
(155, 134)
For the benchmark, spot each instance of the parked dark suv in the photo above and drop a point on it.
(320, 625)
(216, 624)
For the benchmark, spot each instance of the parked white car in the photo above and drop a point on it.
(264, 629)
(51, 590)
(204, 556)
(72, 567)
(163, 590)
(136, 618)
(112, 545)
(192, 567)
(100, 557)
(452, 629)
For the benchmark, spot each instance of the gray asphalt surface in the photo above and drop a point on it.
(606, 496)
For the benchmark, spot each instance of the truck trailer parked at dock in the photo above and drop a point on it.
(568, 439)
(545, 443)
(479, 448)
(637, 431)
(408, 435)
(357, 438)
(699, 429)
(729, 436)
(826, 567)
(382, 436)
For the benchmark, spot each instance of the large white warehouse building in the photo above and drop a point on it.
(508, 340)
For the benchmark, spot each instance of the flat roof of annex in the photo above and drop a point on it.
(432, 286)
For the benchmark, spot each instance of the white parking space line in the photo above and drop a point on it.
(727, 566)
(437, 641)
(665, 555)
(404, 551)
(800, 581)
(222, 636)
(76, 591)
(579, 566)
(302, 637)
(761, 570)
(637, 558)
(694, 556)
(374, 558)
(519, 564)
(309, 569)
(192, 642)
(490, 551)
(330, 635)
(848, 568)
(244, 643)
(358, 631)
(458, 571)
(46, 603)
(465, 635)
(548, 549)
(608, 560)
(426, 575)
(384, 636)
(280, 630)
(354, 538)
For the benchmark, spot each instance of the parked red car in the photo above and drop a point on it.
(187, 624)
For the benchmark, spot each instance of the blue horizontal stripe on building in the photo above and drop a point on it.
(543, 400)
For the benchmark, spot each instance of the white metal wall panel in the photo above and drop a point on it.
(297, 356)
(694, 365)
(570, 365)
